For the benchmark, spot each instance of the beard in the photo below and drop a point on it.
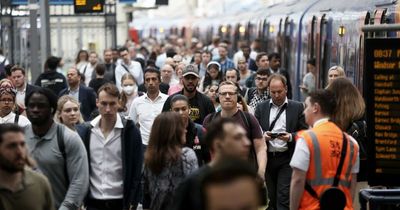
(9, 166)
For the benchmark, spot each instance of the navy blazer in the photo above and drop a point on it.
(87, 98)
(295, 120)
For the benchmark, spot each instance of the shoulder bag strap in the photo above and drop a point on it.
(61, 147)
(311, 190)
(342, 157)
(16, 118)
(126, 68)
(277, 117)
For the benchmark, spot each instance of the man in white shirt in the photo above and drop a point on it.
(280, 118)
(23, 88)
(127, 66)
(115, 155)
(88, 69)
(145, 109)
(319, 152)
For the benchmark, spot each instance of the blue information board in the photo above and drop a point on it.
(62, 2)
(51, 2)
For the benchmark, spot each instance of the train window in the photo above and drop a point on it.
(265, 36)
(325, 46)
(229, 33)
(236, 37)
(287, 43)
(379, 18)
(279, 39)
(313, 37)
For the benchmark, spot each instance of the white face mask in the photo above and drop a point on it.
(130, 89)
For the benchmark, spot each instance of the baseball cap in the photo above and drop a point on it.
(191, 69)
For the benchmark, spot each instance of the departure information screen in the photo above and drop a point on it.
(88, 6)
(382, 91)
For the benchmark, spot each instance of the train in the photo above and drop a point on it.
(329, 31)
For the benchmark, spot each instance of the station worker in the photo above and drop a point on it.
(317, 155)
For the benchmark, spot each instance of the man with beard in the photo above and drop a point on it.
(200, 104)
(20, 187)
(58, 151)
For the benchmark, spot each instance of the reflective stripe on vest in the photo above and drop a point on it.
(319, 180)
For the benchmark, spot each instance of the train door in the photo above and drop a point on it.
(287, 44)
(312, 45)
(265, 36)
(236, 37)
(360, 70)
(324, 49)
(279, 39)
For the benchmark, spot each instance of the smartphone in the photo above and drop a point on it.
(276, 135)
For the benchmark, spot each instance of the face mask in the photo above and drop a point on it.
(130, 89)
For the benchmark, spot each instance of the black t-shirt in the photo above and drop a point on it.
(200, 106)
(97, 83)
(53, 80)
(195, 140)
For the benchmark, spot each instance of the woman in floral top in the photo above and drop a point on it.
(167, 162)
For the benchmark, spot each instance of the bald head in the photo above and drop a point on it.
(166, 73)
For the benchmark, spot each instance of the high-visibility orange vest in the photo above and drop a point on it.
(325, 144)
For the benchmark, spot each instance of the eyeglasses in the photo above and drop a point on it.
(7, 100)
(262, 78)
(227, 93)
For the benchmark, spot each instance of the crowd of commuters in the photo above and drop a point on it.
(170, 127)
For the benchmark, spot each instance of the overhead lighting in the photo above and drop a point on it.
(342, 31)
(224, 29)
(242, 29)
(271, 29)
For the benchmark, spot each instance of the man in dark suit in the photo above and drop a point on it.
(275, 67)
(85, 95)
(280, 118)
(23, 88)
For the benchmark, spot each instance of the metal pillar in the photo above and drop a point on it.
(45, 46)
(34, 39)
(59, 38)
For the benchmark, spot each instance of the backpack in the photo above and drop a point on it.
(358, 130)
(61, 147)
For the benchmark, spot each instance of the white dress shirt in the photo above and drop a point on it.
(88, 71)
(134, 68)
(20, 97)
(106, 178)
(22, 120)
(143, 111)
(277, 145)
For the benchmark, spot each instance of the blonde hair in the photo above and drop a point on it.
(350, 105)
(339, 69)
(60, 105)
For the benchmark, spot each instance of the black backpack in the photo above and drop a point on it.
(358, 130)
